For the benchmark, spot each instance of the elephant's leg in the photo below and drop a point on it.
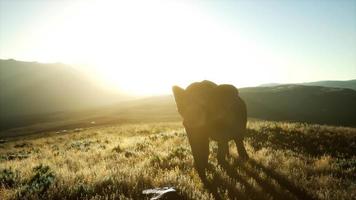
(241, 148)
(223, 151)
(200, 150)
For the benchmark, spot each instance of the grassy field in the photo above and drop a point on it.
(119, 161)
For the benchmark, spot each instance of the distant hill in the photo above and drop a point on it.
(38, 97)
(31, 88)
(313, 104)
(349, 84)
(269, 84)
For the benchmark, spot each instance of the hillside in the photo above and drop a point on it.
(302, 103)
(32, 89)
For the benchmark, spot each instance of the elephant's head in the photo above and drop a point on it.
(193, 103)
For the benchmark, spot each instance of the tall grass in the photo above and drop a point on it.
(288, 161)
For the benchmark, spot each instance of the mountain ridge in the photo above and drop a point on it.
(29, 88)
(59, 95)
(347, 84)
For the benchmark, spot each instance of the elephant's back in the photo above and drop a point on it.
(226, 103)
(228, 114)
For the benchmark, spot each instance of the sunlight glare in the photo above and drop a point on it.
(145, 47)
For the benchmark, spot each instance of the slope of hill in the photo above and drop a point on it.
(287, 161)
(31, 88)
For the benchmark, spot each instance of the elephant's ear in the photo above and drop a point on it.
(179, 94)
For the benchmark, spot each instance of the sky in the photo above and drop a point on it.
(145, 47)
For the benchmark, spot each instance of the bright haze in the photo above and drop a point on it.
(145, 47)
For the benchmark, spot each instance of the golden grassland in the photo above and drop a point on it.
(288, 161)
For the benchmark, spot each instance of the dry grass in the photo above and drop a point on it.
(288, 161)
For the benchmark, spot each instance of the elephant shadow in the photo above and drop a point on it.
(266, 183)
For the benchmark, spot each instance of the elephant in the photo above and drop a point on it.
(212, 112)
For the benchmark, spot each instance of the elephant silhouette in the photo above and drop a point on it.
(212, 112)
